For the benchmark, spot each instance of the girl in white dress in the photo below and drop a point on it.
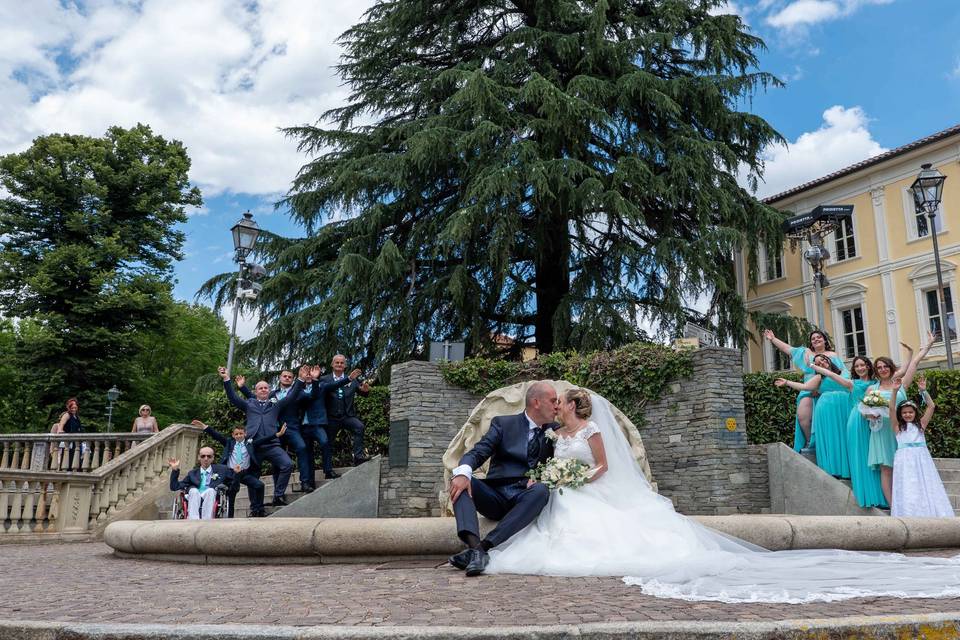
(616, 525)
(917, 489)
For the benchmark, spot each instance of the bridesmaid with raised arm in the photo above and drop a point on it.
(883, 443)
(829, 413)
(817, 343)
(864, 479)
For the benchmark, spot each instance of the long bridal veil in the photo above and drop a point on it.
(669, 555)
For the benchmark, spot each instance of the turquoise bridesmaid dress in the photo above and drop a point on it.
(883, 443)
(864, 479)
(797, 357)
(830, 426)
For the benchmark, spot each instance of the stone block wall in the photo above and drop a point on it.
(696, 441)
(434, 411)
(694, 437)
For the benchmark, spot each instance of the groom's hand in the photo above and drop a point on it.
(458, 485)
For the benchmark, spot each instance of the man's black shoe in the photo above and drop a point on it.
(330, 475)
(359, 461)
(307, 488)
(279, 501)
(460, 560)
(478, 562)
(257, 514)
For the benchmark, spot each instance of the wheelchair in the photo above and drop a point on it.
(220, 507)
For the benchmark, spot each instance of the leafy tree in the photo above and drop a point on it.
(89, 240)
(550, 171)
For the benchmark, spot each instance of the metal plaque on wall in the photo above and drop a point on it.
(731, 429)
(398, 449)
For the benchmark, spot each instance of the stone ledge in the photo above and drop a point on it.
(343, 540)
(945, 625)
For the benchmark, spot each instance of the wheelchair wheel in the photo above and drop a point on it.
(180, 506)
(223, 505)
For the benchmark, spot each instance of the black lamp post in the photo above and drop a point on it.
(112, 394)
(927, 195)
(245, 234)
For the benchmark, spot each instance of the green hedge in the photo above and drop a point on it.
(629, 377)
(771, 410)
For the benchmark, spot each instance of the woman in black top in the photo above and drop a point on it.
(69, 423)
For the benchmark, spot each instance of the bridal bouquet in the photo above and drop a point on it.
(558, 473)
(873, 407)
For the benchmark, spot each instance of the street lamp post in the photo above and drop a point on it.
(245, 234)
(927, 195)
(112, 394)
(816, 255)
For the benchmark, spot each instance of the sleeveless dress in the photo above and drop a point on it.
(830, 424)
(797, 357)
(865, 480)
(917, 489)
(883, 444)
(144, 425)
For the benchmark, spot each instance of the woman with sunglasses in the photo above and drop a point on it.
(145, 423)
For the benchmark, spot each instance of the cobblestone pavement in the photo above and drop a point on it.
(86, 583)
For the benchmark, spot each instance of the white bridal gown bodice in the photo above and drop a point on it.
(618, 526)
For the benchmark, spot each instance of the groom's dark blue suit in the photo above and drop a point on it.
(503, 495)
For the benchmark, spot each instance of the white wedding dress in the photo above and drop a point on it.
(618, 526)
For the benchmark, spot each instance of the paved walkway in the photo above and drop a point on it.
(86, 583)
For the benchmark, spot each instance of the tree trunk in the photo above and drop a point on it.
(552, 280)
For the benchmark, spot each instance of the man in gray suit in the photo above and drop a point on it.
(514, 445)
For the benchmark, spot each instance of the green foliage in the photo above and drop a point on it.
(629, 377)
(549, 171)
(771, 410)
(943, 432)
(89, 240)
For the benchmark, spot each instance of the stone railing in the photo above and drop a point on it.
(64, 452)
(77, 504)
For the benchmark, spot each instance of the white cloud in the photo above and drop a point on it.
(246, 322)
(221, 75)
(843, 139)
(802, 13)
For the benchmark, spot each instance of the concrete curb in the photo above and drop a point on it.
(940, 625)
(336, 540)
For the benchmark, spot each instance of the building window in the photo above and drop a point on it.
(845, 243)
(777, 360)
(923, 224)
(854, 334)
(771, 268)
(934, 321)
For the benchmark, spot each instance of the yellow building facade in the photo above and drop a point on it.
(881, 271)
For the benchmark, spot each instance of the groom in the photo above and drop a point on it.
(514, 445)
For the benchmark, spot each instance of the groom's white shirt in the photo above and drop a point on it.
(467, 470)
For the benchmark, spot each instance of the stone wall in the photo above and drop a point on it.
(694, 437)
(411, 476)
(696, 441)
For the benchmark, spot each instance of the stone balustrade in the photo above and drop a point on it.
(80, 452)
(80, 503)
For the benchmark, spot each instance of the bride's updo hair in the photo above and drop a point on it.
(581, 399)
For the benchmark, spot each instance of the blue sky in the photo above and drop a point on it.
(862, 76)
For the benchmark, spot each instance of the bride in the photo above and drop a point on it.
(616, 525)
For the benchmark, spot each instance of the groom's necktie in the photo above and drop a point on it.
(533, 448)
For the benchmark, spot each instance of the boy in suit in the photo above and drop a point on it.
(201, 484)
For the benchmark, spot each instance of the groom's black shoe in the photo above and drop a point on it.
(460, 560)
(478, 562)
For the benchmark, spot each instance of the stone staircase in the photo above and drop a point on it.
(241, 507)
(949, 469)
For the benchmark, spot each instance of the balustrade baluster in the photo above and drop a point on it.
(117, 448)
(107, 453)
(54, 490)
(16, 509)
(114, 494)
(96, 493)
(27, 455)
(29, 504)
(4, 504)
(139, 475)
(15, 458)
(41, 525)
(96, 463)
(5, 456)
(85, 457)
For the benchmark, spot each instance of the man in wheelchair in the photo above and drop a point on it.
(204, 486)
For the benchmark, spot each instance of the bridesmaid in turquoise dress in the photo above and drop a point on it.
(829, 414)
(864, 479)
(883, 443)
(817, 343)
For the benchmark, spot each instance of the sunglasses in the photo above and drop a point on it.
(205, 456)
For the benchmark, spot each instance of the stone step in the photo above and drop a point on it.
(947, 463)
(949, 475)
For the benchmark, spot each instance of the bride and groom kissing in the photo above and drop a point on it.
(618, 525)
(514, 445)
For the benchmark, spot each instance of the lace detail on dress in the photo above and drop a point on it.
(576, 446)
